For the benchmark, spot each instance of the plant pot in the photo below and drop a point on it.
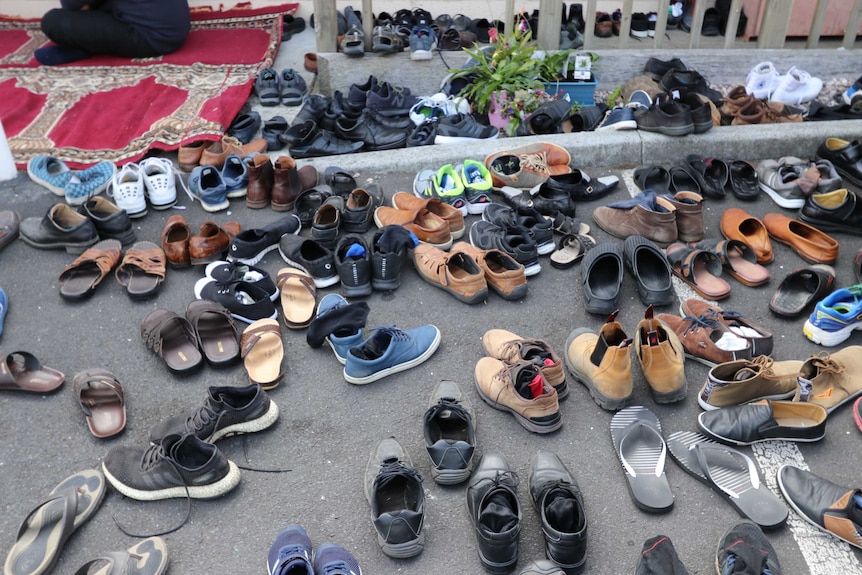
(499, 102)
(582, 92)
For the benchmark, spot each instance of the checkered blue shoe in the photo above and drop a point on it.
(50, 173)
(87, 183)
(835, 317)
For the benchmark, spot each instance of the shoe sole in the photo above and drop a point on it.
(828, 338)
(255, 258)
(395, 368)
(403, 550)
(211, 491)
(780, 200)
(827, 226)
(72, 248)
(624, 125)
(525, 422)
(450, 476)
(602, 400)
(670, 131)
(259, 424)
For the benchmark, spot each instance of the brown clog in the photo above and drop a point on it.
(101, 396)
(173, 339)
(216, 332)
(9, 223)
(80, 278)
(811, 244)
(263, 352)
(737, 224)
(175, 242)
(143, 270)
(21, 371)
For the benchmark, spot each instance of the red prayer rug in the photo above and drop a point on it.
(109, 108)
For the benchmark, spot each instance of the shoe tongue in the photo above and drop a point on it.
(497, 515)
(748, 560)
(529, 383)
(295, 566)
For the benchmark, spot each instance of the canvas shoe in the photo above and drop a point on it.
(450, 434)
(854, 89)
(229, 272)
(745, 549)
(762, 80)
(477, 183)
(226, 411)
(522, 390)
(504, 275)
(245, 301)
(160, 185)
(311, 257)
(444, 184)
(390, 350)
(602, 362)
(87, 183)
(332, 559)
(127, 189)
(835, 317)
(250, 246)
(512, 348)
(207, 185)
(743, 381)
(50, 173)
(290, 553)
(618, 118)
(796, 87)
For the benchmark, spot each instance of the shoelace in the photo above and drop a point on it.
(395, 333)
(536, 162)
(507, 478)
(122, 177)
(336, 568)
(824, 362)
(514, 347)
(394, 469)
(703, 321)
(162, 165)
(450, 405)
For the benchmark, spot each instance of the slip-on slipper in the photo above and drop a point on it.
(142, 270)
(571, 249)
(738, 260)
(602, 277)
(650, 268)
(298, 297)
(48, 526)
(742, 180)
(654, 178)
(636, 434)
(812, 245)
(765, 420)
(700, 269)
(340, 180)
(309, 201)
(21, 371)
(730, 473)
(263, 352)
(147, 557)
(102, 399)
(802, 288)
(217, 335)
(81, 278)
(271, 131)
(173, 338)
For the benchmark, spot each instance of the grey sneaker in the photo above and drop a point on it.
(450, 434)
(782, 181)
(226, 411)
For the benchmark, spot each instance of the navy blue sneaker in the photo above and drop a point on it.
(4, 305)
(619, 118)
(332, 559)
(291, 553)
(390, 350)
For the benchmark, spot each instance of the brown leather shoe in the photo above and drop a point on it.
(689, 216)
(189, 155)
(9, 223)
(735, 100)
(737, 224)
(209, 244)
(520, 389)
(512, 348)
(451, 214)
(503, 273)
(175, 242)
(456, 273)
(287, 184)
(428, 227)
(659, 227)
(310, 62)
(699, 336)
(811, 244)
(261, 178)
(217, 153)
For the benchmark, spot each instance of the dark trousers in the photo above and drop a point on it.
(96, 32)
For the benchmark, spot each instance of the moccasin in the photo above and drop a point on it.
(811, 244)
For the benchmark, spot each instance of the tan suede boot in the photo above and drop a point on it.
(689, 215)
(602, 363)
(742, 381)
(662, 359)
(521, 389)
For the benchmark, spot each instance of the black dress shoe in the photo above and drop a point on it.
(560, 505)
(111, 222)
(764, 420)
(838, 211)
(317, 142)
(845, 156)
(495, 512)
(61, 227)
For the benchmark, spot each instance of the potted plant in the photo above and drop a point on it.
(571, 73)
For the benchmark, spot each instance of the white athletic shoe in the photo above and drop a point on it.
(796, 87)
(762, 80)
(127, 189)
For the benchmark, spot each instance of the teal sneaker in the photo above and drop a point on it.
(50, 173)
(444, 184)
(835, 317)
(85, 184)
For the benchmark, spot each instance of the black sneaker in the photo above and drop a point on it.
(393, 487)
(326, 222)
(423, 135)
(359, 208)
(535, 224)
(666, 116)
(227, 273)
(353, 263)
(745, 549)
(311, 257)
(245, 301)
(177, 466)
(511, 240)
(389, 247)
(226, 411)
(249, 246)
(463, 129)
(656, 69)
(685, 81)
(450, 435)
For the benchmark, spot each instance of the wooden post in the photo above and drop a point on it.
(326, 25)
(773, 27)
(660, 23)
(732, 23)
(589, 24)
(817, 24)
(696, 24)
(368, 23)
(549, 24)
(626, 23)
(852, 26)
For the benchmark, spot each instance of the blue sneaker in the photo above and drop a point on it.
(340, 344)
(206, 185)
(619, 118)
(835, 317)
(235, 176)
(423, 42)
(87, 183)
(291, 553)
(50, 173)
(4, 307)
(390, 350)
(332, 559)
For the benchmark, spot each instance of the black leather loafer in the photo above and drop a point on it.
(763, 421)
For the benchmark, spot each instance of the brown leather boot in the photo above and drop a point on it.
(287, 184)
(261, 178)
(689, 215)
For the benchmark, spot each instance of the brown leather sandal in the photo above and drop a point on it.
(298, 297)
(80, 278)
(263, 352)
(699, 269)
(143, 270)
(172, 338)
(21, 371)
(216, 332)
(102, 398)
(738, 260)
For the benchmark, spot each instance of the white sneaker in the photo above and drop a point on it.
(127, 189)
(796, 87)
(762, 80)
(158, 175)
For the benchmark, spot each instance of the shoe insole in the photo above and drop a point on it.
(742, 269)
(179, 353)
(218, 342)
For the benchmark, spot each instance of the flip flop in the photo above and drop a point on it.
(143, 270)
(738, 260)
(81, 278)
(699, 269)
(636, 434)
(263, 352)
(47, 527)
(729, 472)
(101, 396)
(298, 297)
(801, 288)
(570, 249)
(148, 557)
(21, 371)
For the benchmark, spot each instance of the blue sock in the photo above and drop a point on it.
(56, 55)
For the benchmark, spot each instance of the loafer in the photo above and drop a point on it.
(845, 156)
(61, 227)
(764, 421)
(111, 222)
(10, 223)
(358, 214)
(175, 242)
(582, 188)
(811, 244)
(838, 211)
(737, 224)
(209, 244)
(602, 277)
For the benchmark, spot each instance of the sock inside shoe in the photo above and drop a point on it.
(374, 348)
(56, 55)
(529, 384)
(561, 509)
(730, 342)
(498, 515)
(745, 331)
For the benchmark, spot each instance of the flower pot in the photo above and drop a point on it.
(499, 102)
(580, 92)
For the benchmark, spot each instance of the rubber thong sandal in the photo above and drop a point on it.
(81, 278)
(738, 260)
(21, 371)
(570, 249)
(636, 434)
(101, 396)
(147, 557)
(298, 297)
(801, 288)
(48, 526)
(729, 472)
(143, 270)
(263, 352)
(699, 269)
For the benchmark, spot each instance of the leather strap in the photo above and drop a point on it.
(96, 379)
(8, 371)
(150, 260)
(251, 336)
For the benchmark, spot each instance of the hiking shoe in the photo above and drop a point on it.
(662, 359)
(477, 183)
(229, 272)
(267, 86)
(796, 87)
(835, 317)
(665, 116)
(127, 189)
(311, 257)
(762, 80)
(602, 362)
(226, 411)
(160, 185)
(512, 240)
(512, 348)
(707, 340)
(177, 466)
(521, 389)
(558, 500)
(389, 254)
(208, 187)
(245, 301)
(745, 549)
(444, 184)
(450, 434)
(742, 381)
(456, 273)
(250, 246)
(393, 487)
(503, 274)
(293, 88)
(390, 350)
(353, 264)
(830, 380)
(290, 553)
(332, 559)
(463, 129)
(423, 42)
(618, 118)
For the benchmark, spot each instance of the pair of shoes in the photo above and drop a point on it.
(503, 274)
(495, 512)
(183, 342)
(466, 186)
(250, 246)
(213, 187)
(141, 272)
(835, 317)
(363, 267)
(736, 258)
(512, 348)
(353, 215)
(287, 88)
(389, 350)
(291, 552)
(455, 272)
(76, 186)
(527, 166)
(602, 362)
(796, 87)
(700, 269)
(431, 220)
(291, 25)
(245, 291)
(63, 227)
(276, 184)
(183, 249)
(152, 181)
(659, 219)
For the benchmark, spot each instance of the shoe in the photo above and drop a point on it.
(783, 182)
(526, 218)
(463, 129)
(603, 27)
(293, 88)
(393, 487)
(745, 549)
(10, 225)
(217, 152)
(602, 278)
(178, 466)
(762, 80)
(423, 42)
(765, 420)
(391, 101)
(358, 213)
(111, 222)
(456, 273)
(521, 389)
(127, 189)
(511, 348)
(449, 213)
(339, 324)
(226, 411)
(390, 350)
(261, 178)
(742, 381)
(51, 173)
(450, 434)
(704, 113)
(207, 186)
(503, 274)
(662, 359)
(651, 270)
(211, 242)
(737, 224)
(426, 227)
(287, 184)
(234, 173)
(272, 129)
(826, 505)
(796, 87)
(548, 118)
(707, 340)
(311, 257)
(250, 246)
(688, 81)
(332, 559)
(825, 378)
(709, 173)
(422, 135)
(313, 141)
(646, 215)
(245, 301)
(477, 183)
(175, 242)
(812, 245)
(656, 68)
(838, 211)
(835, 317)
(802, 288)
(160, 185)
(579, 186)
(290, 552)
(760, 339)
(267, 86)
(512, 240)
(845, 156)
(61, 227)
(495, 512)
(659, 556)
(588, 118)
(443, 184)
(618, 118)
(527, 166)
(665, 116)
(353, 264)
(87, 183)
(389, 255)
(327, 222)
(602, 363)
(375, 132)
(558, 501)
(244, 127)
(229, 272)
